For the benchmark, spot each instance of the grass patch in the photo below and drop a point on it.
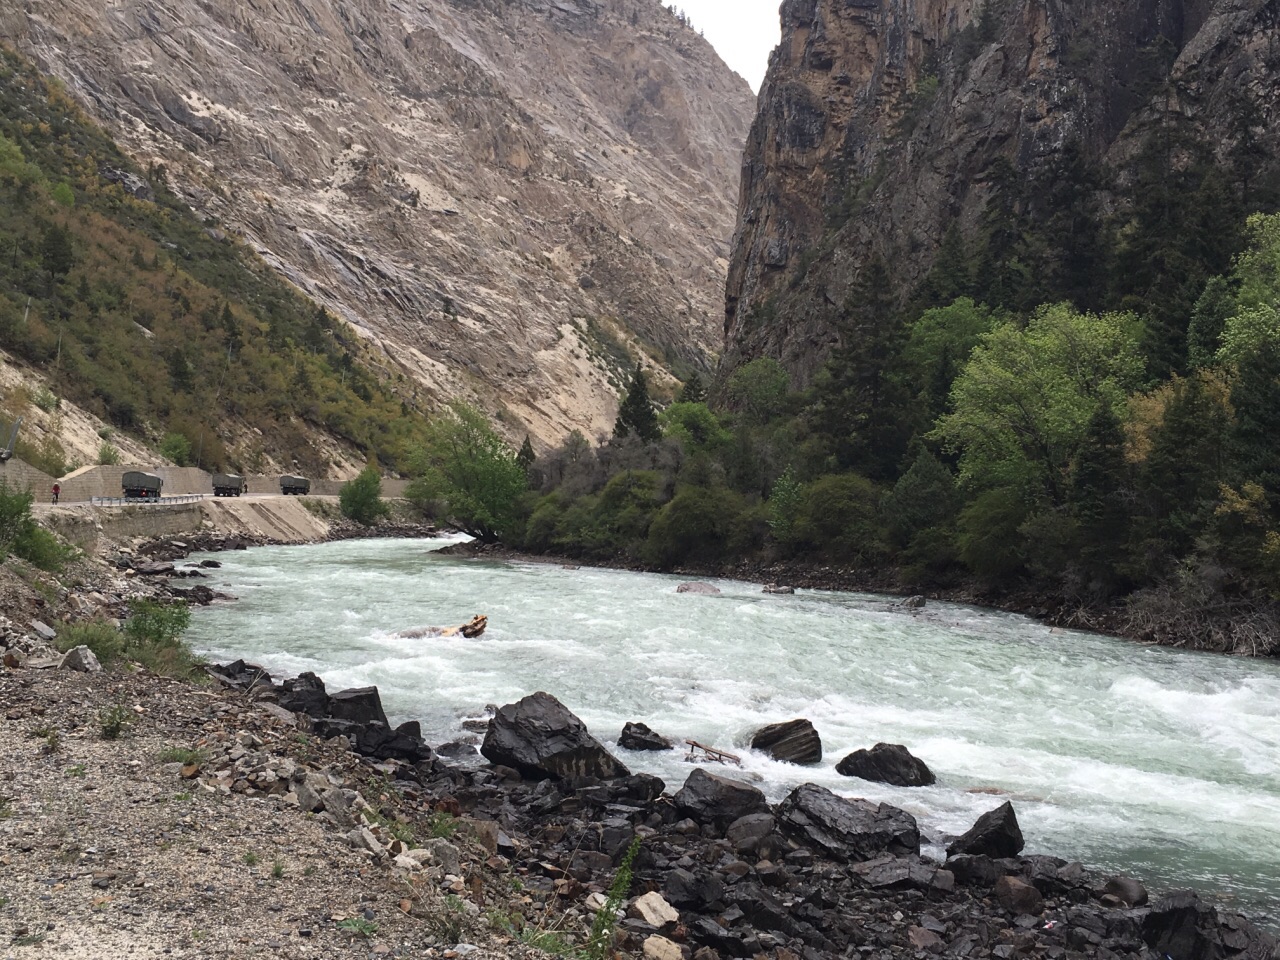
(250, 859)
(76, 771)
(112, 721)
(277, 870)
(182, 755)
(358, 927)
(106, 642)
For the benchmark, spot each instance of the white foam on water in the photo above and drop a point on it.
(1155, 761)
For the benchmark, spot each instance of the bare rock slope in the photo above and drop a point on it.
(514, 197)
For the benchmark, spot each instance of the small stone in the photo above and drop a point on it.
(923, 939)
(660, 948)
(1018, 896)
(653, 910)
(44, 631)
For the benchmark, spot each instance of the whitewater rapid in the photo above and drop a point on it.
(1151, 761)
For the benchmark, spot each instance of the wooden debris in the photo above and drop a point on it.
(710, 754)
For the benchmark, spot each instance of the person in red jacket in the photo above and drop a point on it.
(56, 490)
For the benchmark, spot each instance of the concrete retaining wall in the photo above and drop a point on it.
(20, 475)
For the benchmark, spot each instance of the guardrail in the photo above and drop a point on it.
(145, 501)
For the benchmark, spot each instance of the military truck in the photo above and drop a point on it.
(228, 485)
(295, 486)
(141, 486)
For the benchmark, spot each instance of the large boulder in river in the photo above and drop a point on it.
(889, 763)
(697, 587)
(996, 834)
(540, 737)
(638, 736)
(846, 830)
(717, 801)
(792, 742)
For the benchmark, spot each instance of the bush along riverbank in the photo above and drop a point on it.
(525, 851)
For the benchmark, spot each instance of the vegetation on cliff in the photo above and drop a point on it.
(158, 323)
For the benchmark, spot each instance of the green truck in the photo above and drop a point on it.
(228, 485)
(294, 486)
(141, 486)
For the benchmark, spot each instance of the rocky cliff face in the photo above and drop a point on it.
(882, 123)
(513, 197)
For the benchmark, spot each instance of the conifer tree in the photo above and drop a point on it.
(636, 414)
(693, 391)
(526, 456)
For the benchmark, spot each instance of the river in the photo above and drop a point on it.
(1145, 760)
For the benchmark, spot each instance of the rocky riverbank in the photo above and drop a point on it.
(251, 817)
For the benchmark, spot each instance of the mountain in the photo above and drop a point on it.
(1013, 150)
(511, 200)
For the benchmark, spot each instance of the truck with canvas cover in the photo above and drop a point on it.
(294, 486)
(141, 486)
(228, 485)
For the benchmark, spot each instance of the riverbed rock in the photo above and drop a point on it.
(81, 659)
(304, 693)
(660, 948)
(778, 589)
(1018, 896)
(889, 763)
(710, 799)
(1127, 890)
(995, 834)
(745, 833)
(846, 830)
(638, 736)
(696, 587)
(913, 603)
(359, 705)
(243, 675)
(795, 741)
(542, 739)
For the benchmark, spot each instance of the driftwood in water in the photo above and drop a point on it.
(710, 753)
(472, 629)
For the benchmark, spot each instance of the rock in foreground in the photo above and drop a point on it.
(996, 834)
(795, 741)
(542, 739)
(889, 763)
(718, 801)
(846, 830)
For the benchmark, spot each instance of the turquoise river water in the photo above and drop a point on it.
(1151, 761)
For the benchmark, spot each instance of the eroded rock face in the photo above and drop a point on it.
(846, 830)
(795, 741)
(493, 191)
(542, 739)
(831, 165)
(889, 763)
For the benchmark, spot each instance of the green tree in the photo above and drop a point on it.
(471, 474)
(176, 447)
(692, 391)
(361, 499)
(862, 401)
(1216, 305)
(694, 426)
(785, 500)
(1256, 319)
(526, 456)
(1022, 405)
(759, 390)
(636, 414)
(56, 252)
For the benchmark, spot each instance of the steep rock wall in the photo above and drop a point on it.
(883, 122)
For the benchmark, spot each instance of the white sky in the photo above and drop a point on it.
(743, 32)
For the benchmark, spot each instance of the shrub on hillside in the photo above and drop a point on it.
(361, 499)
(700, 524)
(21, 536)
(153, 637)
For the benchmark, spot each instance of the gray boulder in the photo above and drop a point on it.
(704, 589)
(542, 739)
(846, 830)
(996, 834)
(359, 705)
(795, 741)
(719, 801)
(81, 659)
(889, 763)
